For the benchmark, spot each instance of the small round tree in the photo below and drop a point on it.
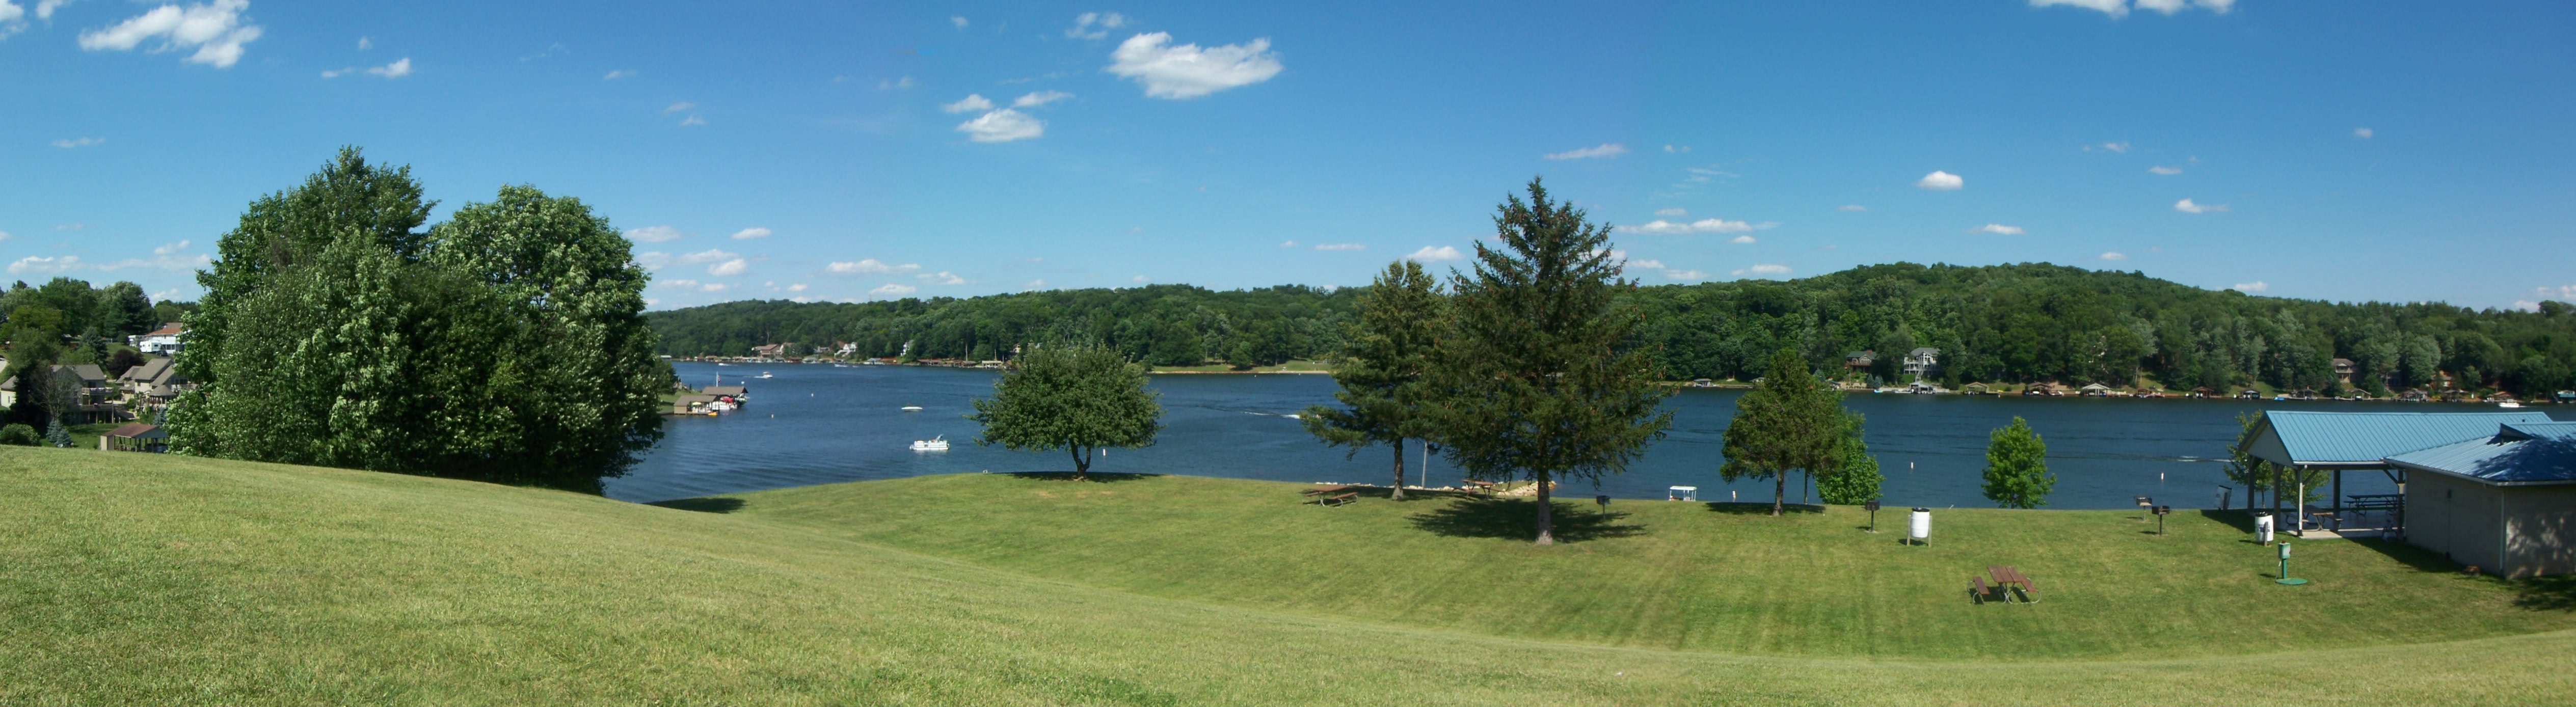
(1858, 480)
(2017, 467)
(1075, 398)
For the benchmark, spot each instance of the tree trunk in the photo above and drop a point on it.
(1398, 495)
(1779, 492)
(1081, 463)
(1546, 524)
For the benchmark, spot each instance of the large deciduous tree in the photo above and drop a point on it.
(506, 345)
(1789, 421)
(2017, 473)
(1858, 480)
(1544, 376)
(1077, 398)
(1385, 362)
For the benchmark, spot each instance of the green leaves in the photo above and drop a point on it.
(1788, 421)
(2017, 473)
(1385, 367)
(1075, 398)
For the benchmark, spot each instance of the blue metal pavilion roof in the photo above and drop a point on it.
(2526, 453)
(2367, 439)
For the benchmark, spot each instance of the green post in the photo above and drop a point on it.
(2285, 567)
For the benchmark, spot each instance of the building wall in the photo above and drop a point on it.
(2456, 517)
(2540, 531)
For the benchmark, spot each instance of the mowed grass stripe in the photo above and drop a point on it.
(149, 579)
(1684, 576)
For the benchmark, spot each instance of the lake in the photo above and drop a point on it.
(818, 424)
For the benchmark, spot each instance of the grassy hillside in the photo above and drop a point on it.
(130, 578)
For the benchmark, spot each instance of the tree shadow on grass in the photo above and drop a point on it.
(2547, 593)
(2243, 521)
(2557, 593)
(708, 504)
(1517, 519)
(1761, 509)
(1097, 477)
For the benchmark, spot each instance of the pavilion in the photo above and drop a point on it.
(2430, 446)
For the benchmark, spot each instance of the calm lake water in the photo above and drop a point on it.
(813, 424)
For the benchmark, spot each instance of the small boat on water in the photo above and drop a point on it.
(912, 408)
(2508, 405)
(934, 444)
(763, 374)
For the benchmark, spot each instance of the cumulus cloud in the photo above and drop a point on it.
(1764, 270)
(2361, 133)
(2114, 8)
(1645, 264)
(714, 287)
(169, 248)
(1706, 225)
(677, 283)
(1088, 25)
(2121, 147)
(1940, 181)
(1997, 228)
(693, 119)
(1287, 244)
(893, 84)
(2186, 206)
(1187, 71)
(751, 233)
(729, 268)
(1685, 275)
(2250, 287)
(869, 266)
(677, 107)
(2164, 170)
(217, 31)
(1429, 254)
(1742, 239)
(654, 234)
(1341, 246)
(1002, 125)
(959, 20)
(2115, 255)
(1607, 149)
(45, 11)
(896, 288)
(161, 262)
(400, 68)
(38, 265)
(69, 143)
(618, 74)
(2173, 6)
(1851, 207)
(1039, 98)
(971, 103)
(942, 277)
(1672, 212)
(1671, 149)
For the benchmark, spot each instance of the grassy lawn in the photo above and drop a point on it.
(133, 578)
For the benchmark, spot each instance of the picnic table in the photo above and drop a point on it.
(1324, 489)
(1475, 486)
(2008, 578)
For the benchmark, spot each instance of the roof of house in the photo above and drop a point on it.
(724, 390)
(137, 430)
(169, 329)
(692, 399)
(2096, 386)
(2522, 453)
(2367, 439)
(146, 371)
(1924, 351)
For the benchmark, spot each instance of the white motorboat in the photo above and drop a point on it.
(912, 408)
(934, 444)
(763, 374)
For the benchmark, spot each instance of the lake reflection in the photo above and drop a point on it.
(816, 424)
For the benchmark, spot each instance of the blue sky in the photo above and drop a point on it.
(2344, 151)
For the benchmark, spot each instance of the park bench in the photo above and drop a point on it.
(1978, 591)
(1341, 500)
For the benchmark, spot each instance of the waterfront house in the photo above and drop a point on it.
(2343, 370)
(1859, 361)
(1922, 362)
(770, 350)
(138, 380)
(162, 342)
(2096, 390)
(135, 437)
(692, 404)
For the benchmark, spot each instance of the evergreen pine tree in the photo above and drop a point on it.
(1382, 372)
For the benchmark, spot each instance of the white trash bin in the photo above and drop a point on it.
(2263, 528)
(1919, 526)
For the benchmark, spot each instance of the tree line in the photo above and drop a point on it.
(1993, 324)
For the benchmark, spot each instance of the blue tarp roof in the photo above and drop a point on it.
(2516, 453)
(2364, 439)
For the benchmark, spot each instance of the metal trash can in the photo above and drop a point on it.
(1919, 526)
(2263, 528)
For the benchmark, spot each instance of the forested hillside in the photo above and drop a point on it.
(2030, 322)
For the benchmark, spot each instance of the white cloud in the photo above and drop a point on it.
(1742, 239)
(2565, 292)
(1672, 212)
(677, 283)
(1706, 225)
(45, 11)
(869, 266)
(1092, 25)
(1685, 275)
(1997, 228)
(400, 68)
(215, 29)
(693, 119)
(798, 287)
(959, 20)
(971, 103)
(2164, 170)
(161, 262)
(2361, 133)
(893, 288)
(677, 107)
(1287, 244)
(1429, 254)
(64, 227)
(618, 74)
(70, 143)
(2255, 286)
(4, 235)
(366, 43)
(1851, 207)
(2187, 207)
(1139, 278)
(1671, 149)
(654, 234)
(169, 248)
(44, 266)
(892, 84)
(1341, 246)
(1607, 149)
(1764, 270)
(2121, 147)
(714, 287)
(1039, 98)
(12, 18)
(1186, 71)
(2114, 8)
(1002, 125)
(942, 277)
(707, 256)
(1041, 282)
(1940, 181)
(1646, 264)
(750, 233)
(2115, 255)
(729, 268)
(2173, 6)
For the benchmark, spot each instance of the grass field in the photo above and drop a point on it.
(129, 578)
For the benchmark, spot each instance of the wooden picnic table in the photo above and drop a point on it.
(1329, 488)
(2005, 575)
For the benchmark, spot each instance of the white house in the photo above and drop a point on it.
(163, 341)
